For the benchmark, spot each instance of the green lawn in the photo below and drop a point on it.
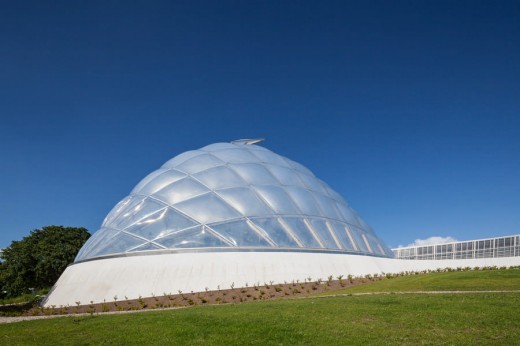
(391, 319)
(473, 319)
(484, 280)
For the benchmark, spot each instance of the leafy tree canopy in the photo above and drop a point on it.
(38, 260)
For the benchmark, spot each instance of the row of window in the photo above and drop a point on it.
(485, 248)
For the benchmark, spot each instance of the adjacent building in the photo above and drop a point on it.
(508, 246)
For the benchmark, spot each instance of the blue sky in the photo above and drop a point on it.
(409, 109)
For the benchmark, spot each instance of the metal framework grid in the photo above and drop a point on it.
(508, 246)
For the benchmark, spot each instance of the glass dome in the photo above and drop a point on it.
(232, 196)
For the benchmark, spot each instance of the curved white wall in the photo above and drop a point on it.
(145, 276)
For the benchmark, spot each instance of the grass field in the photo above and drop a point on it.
(485, 280)
(395, 319)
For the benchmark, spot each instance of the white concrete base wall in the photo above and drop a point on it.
(145, 276)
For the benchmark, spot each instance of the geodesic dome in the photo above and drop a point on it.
(227, 197)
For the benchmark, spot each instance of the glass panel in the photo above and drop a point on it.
(135, 212)
(161, 181)
(304, 200)
(276, 197)
(114, 213)
(364, 226)
(327, 206)
(146, 247)
(147, 179)
(285, 175)
(220, 178)
(207, 208)
(341, 235)
(311, 183)
(321, 230)
(191, 238)
(367, 243)
(350, 237)
(302, 232)
(254, 174)
(239, 233)
(160, 223)
(245, 201)
(177, 160)
(101, 236)
(235, 156)
(347, 214)
(199, 163)
(275, 231)
(356, 235)
(181, 190)
(118, 244)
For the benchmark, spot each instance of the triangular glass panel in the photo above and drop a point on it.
(355, 233)
(341, 235)
(196, 237)
(276, 232)
(364, 226)
(245, 201)
(220, 177)
(137, 212)
(207, 208)
(177, 160)
(254, 174)
(327, 206)
(180, 190)
(367, 242)
(101, 236)
(321, 230)
(199, 163)
(146, 247)
(380, 250)
(285, 175)
(239, 233)
(374, 244)
(164, 179)
(311, 182)
(304, 200)
(347, 214)
(236, 156)
(121, 243)
(302, 232)
(160, 223)
(277, 199)
(120, 209)
(147, 179)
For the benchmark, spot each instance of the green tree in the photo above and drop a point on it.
(39, 259)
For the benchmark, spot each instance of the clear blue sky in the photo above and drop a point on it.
(409, 109)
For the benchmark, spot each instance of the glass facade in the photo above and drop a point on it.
(232, 196)
(482, 248)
